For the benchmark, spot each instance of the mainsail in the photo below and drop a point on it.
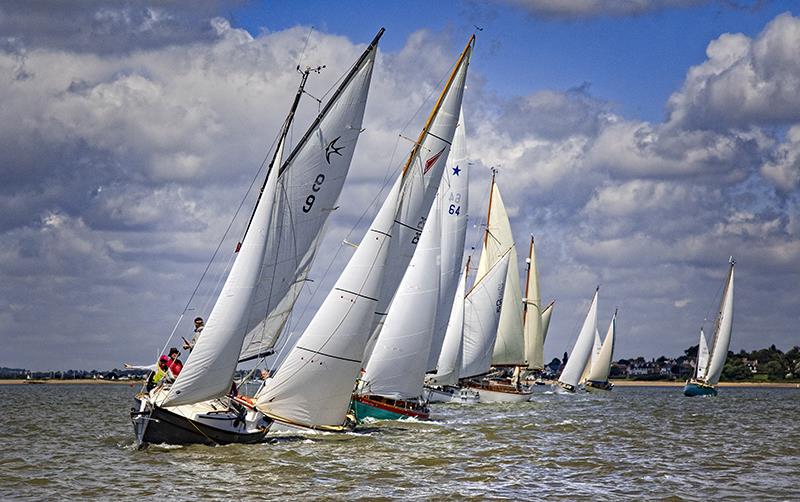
(423, 173)
(598, 344)
(313, 386)
(533, 326)
(398, 363)
(601, 365)
(509, 349)
(482, 307)
(455, 191)
(279, 245)
(722, 332)
(582, 350)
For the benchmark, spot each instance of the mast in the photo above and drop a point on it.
(489, 211)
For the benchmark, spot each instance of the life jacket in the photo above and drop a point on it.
(158, 375)
(175, 367)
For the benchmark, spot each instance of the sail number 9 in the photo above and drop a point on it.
(320, 179)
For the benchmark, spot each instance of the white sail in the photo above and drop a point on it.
(241, 306)
(449, 363)
(582, 351)
(533, 329)
(308, 189)
(482, 307)
(702, 356)
(601, 365)
(598, 344)
(722, 333)
(546, 314)
(423, 169)
(314, 384)
(398, 363)
(455, 190)
(509, 347)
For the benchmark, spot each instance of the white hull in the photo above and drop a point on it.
(454, 395)
(558, 389)
(490, 396)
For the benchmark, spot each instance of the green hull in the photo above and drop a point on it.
(696, 389)
(364, 411)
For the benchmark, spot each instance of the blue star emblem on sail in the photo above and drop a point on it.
(456, 170)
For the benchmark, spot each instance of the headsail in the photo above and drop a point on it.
(582, 350)
(209, 369)
(509, 348)
(482, 307)
(455, 192)
(601, 365)
(547, 313)
(722, 332)
(702, 356)
(398, 363)
(449, 363)
(533, 330)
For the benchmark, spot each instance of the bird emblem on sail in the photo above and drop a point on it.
(332, 149)
(431, 161)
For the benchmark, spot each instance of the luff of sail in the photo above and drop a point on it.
(455, 192)
(398, 363)
(582, 350)
(722, 333)
(210, 366)
(509, 349)
(532, 315)
(601, 365)
(482, 307)
(309, 186)
(449, 362)
(423, 171)
(702, 356)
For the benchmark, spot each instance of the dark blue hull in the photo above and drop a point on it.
(698, 389)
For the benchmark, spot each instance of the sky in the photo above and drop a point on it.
(642, 142)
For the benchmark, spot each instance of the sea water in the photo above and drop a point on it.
(76, 442)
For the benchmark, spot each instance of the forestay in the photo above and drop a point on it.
(582, 350)
(482, 307)
(398, 363)
(455, 190)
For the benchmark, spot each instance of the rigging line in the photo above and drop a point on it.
(303, 52)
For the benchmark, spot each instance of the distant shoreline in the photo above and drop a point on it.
(661, 383)
(75, 381)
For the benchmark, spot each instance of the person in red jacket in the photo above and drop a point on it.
(175, 364)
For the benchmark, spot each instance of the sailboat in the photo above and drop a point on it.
(597, 379)
(312, 388)
(581, 351)
(391, 385)
(271, 263)
(509, 347)
(711, 361)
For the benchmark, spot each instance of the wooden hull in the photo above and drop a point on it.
(382, 408)
(598, 387)
(499, 393)
(156, 425)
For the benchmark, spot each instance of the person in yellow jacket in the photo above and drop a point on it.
(157, 371)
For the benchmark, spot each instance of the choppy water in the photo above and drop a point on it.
(75, 442)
